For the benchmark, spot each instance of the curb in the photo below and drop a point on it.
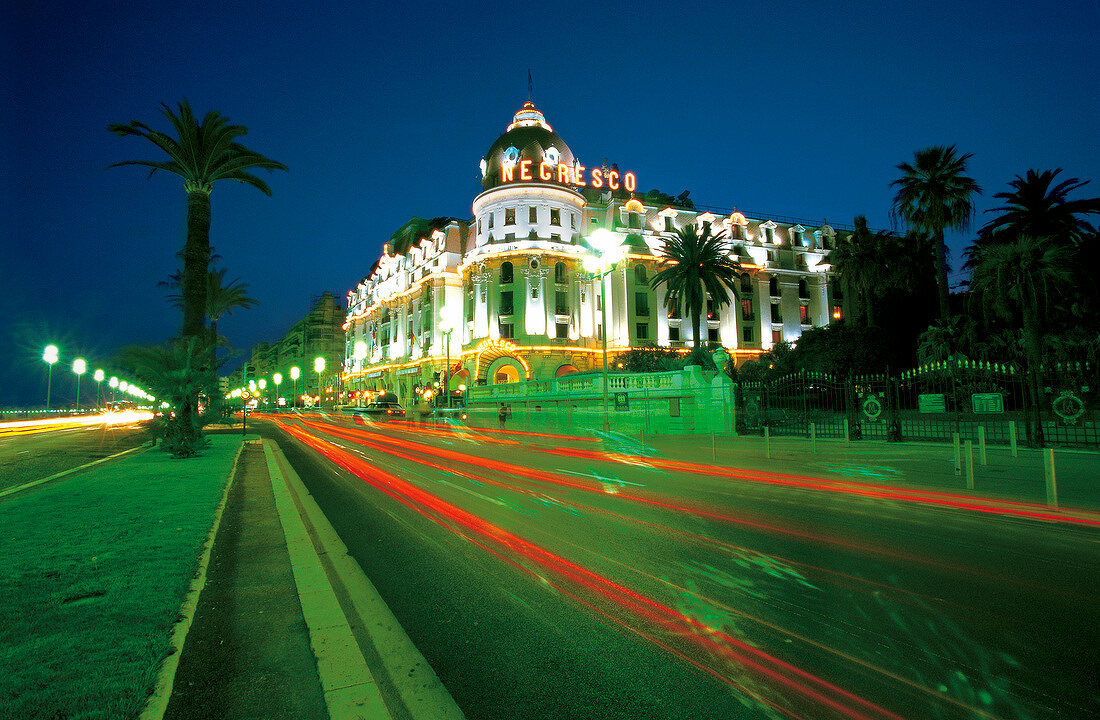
(70, 471)
(157, 703)
(366, 662)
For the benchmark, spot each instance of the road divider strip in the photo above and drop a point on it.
(366, 662)
(70, 471)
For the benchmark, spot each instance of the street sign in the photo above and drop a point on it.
(987, 402)
(622, 401)
(932, 403)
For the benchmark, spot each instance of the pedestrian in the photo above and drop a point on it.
(502, 414)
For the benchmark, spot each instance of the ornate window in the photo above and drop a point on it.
(506, 273)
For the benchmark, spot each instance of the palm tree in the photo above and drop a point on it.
(1019, 278)
(201, 154)
(173, 373)
(869, 263)
(703, 267)
(1035, 208)
(935, 195)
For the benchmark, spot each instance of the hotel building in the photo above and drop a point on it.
(504, 296)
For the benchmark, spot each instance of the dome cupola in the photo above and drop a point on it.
(528, 151)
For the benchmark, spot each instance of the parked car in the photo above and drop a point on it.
(381, 409)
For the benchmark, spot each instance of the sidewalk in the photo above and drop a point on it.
(287, 625)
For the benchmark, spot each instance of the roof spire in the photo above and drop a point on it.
(530, 85)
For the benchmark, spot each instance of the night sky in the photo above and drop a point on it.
(383, 110)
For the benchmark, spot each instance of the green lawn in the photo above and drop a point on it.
(93, 570)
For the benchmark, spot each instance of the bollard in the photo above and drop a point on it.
(981, 445)
(713, 447)
(958, 456)
(847, 434)
(969, 464)
(1012, 437)
(1052, 484)
(767, 442)
(813, 438)
(643, 436)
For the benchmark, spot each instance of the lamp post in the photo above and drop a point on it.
(359, 354)
(447, 325)
(319, 367)
(98, 375)
(263, 386)
(611, 252)
(278, 378)
(49, 355)
(295, 373)
(79, 367)
(113, 382)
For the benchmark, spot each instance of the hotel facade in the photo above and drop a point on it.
(504, 296)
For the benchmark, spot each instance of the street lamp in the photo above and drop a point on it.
(360, 354)
(447, 325)
(295, 373)
(113, 382)
(263, 386)
(79, 367)
(278, 378)
(319, 366)
(98, 375)
(50, 357)
(611, 252)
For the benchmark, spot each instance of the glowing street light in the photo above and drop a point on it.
(263, 386)
(611, 252)
(98, 376)
(49, 355)
(113, 382)
(79, 367)
(447, 325)
(278, 378)
(123, 385)
(319, 366)
(295, 373)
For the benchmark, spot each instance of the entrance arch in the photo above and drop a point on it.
(566, 369)
(489, 355)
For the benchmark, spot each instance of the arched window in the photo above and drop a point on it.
(639, 274)
(773, 286)
(506, 273)
(559, 273)
(746, 283)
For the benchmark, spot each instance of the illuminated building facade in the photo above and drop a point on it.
(511, 282)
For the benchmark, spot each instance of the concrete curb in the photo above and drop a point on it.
(366, 662)
(70, 471)
(157, 703)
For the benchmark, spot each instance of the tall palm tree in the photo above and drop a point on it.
(1020, 279)
(1035, 208)
(703, 267)
(201, 154)
(933, 196)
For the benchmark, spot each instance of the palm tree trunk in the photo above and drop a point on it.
(939, 262)
(1033, 351)
(869, 307)
(196, 267)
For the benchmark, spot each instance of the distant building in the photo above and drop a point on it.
(318, 334)
(511, 280)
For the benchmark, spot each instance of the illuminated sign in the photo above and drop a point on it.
(566, 175)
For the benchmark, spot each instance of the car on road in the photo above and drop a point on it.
(380, 409)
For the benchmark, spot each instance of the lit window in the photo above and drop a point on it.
(555, 216)
(533, 214)
(490, 221)
(804, 314)
(510, 216)
(777, 336)
(836, 312)
(746, 309)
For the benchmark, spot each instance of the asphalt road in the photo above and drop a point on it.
(28, 457)
(551, 578)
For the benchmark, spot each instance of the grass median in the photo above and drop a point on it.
(93, 570)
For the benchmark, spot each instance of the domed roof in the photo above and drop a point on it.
(528, 137)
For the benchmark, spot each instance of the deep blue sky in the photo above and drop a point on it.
(383, 110)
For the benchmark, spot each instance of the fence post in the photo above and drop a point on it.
(969, 464)
(767, 442)
(1051, 482)
(981, 445)
(813, 437)
(847, 434)
(1012, 437)
(643, 435)
(958, 457)
(713, 447)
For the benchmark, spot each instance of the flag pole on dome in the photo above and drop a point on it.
(530, 85)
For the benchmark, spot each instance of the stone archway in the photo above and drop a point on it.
(503, 371)
(489, 355)
(566, 369)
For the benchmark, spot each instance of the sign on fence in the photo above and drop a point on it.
(622, 401)
(932, 403)
(988, 402)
